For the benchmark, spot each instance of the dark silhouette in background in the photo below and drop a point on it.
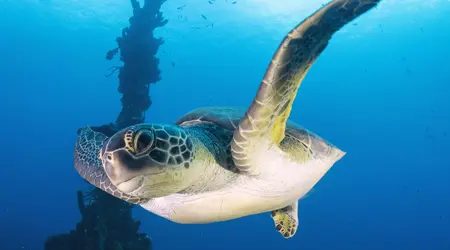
(107, 222)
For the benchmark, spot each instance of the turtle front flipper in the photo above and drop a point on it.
(286, 220)
(267, 115)
(89, 166)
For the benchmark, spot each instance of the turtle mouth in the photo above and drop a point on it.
(136, 183)
(152, 185)
(132, 184)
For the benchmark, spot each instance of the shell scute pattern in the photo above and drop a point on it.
(221, 122)
(313, 146)
(226, 117)
(218, 129)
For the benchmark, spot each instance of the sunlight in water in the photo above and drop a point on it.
(283, 10)
(266, 12)
(280, 12)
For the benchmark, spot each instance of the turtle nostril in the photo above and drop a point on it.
(143, 141)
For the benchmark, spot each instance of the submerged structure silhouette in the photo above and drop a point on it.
(107, 222)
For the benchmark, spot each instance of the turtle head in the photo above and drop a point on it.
(149, 160)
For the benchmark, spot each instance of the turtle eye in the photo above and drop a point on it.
(143, 141)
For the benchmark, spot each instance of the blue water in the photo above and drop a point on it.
(380, 91)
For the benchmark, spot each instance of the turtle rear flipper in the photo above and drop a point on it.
(286, 220)
(89, 165)
(267, 115)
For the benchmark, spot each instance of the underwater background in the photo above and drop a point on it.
(380, 91)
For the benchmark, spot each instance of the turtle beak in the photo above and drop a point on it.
(127, 172)
(115, 168)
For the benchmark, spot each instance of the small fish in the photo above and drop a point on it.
(173, 65)
(421, 29)
(210, 2)
(181, 7)
(204, 17)
(234, 2)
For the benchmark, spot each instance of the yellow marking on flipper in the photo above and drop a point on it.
(267, 115)
(279, 127)
(284, 224)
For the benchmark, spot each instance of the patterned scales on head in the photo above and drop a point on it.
(218, 163)
(171, 145)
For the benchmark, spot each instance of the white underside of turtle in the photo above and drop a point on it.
(283, 182)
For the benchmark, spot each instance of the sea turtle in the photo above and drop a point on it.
(218, 163)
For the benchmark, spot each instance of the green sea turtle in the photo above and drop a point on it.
(218, 163)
